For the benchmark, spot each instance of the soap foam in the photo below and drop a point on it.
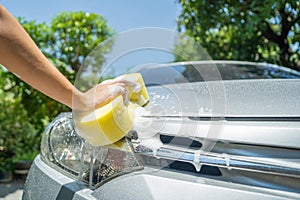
(153, 143)
(143, 124)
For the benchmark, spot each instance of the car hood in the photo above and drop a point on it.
(241, 98)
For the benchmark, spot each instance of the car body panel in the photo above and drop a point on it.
(44, 182)
(150, 183)
(244, 118)
(257, 120)
(243, 98)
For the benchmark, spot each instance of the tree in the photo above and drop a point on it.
(66, 41)
(25, 112)
(75, 35)
(245, 30)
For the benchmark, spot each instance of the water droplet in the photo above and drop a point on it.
(197, 162)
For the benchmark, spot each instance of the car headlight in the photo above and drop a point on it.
(65, 151)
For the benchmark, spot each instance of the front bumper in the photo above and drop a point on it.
(43, 182)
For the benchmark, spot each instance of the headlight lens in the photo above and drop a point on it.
(64, 150)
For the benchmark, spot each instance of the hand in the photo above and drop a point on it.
(103, 93)
(99, 95)
(130, 81)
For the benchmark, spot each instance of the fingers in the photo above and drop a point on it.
(119, 86)
(118, 89)
(108, 82)
(129, 81)
(126, 97)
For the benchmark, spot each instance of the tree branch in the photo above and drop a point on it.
(270, 34)
(285, 29)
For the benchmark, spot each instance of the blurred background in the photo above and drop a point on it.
(67, 30)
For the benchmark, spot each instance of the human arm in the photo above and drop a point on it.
(20, 55)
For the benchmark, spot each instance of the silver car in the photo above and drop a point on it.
(231, 131)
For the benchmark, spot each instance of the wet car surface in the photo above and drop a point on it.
(247, 148)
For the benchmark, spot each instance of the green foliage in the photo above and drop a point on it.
(66, 41)
(76, 34)
(245, 30)
(17, 136)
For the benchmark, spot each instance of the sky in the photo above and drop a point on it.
(122, 15)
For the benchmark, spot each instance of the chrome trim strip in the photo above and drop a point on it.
(219, 160)
(233, 118)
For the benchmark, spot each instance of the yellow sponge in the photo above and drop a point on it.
(141, 97)
(111, 122)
